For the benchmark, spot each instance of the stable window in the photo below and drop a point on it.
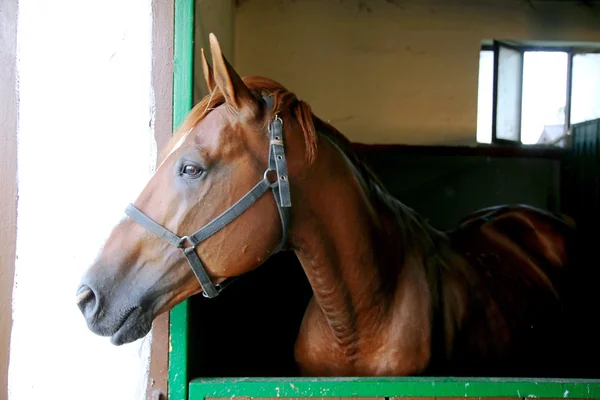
(532, 94)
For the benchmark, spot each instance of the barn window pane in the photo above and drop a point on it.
(585, 98)
(508, 92)
(544, 97)
(485, 98)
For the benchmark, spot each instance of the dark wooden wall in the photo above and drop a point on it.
(445, 184)
(251, 328)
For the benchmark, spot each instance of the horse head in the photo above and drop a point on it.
(217, 206)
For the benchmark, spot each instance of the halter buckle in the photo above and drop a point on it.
(217, 287)
(182, 243)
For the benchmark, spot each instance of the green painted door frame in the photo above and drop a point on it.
(183, 89)
(200, 389)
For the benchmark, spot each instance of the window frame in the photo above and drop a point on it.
(523, 47)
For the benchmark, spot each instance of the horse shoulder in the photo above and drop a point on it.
(403, 345)
(316, 350)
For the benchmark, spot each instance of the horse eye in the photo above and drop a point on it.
(191, 170)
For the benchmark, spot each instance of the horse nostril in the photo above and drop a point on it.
(83, 293)
(86, 301)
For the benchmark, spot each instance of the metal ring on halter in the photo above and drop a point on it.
(182, 240)
(271, 184)
(217, 287)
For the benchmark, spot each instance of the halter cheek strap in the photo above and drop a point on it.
(281, 192)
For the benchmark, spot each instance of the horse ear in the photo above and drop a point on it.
(209, 76)
(235, 91)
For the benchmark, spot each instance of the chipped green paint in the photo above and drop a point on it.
(178, 348)
(183, 63)
(390, 387)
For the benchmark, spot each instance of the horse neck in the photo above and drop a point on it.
(353, 245)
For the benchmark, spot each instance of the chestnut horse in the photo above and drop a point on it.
(252, 171)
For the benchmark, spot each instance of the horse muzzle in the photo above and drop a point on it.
(124, 323)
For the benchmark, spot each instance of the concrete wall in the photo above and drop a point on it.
(393, 71)
(8, 177)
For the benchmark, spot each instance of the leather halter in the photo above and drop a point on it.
(281, 192)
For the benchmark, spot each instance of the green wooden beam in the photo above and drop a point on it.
(183, 80)
(178, 352)
(183, 60)
(391, 387)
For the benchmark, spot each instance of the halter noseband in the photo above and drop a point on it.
(281, 192)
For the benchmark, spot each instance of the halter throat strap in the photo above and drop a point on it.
(281, 192)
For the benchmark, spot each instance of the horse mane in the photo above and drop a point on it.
(283, 99)
(312, 126)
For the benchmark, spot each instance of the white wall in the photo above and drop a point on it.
(8, 176)
(85, 150)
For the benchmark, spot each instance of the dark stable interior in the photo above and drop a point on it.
(250, 329)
